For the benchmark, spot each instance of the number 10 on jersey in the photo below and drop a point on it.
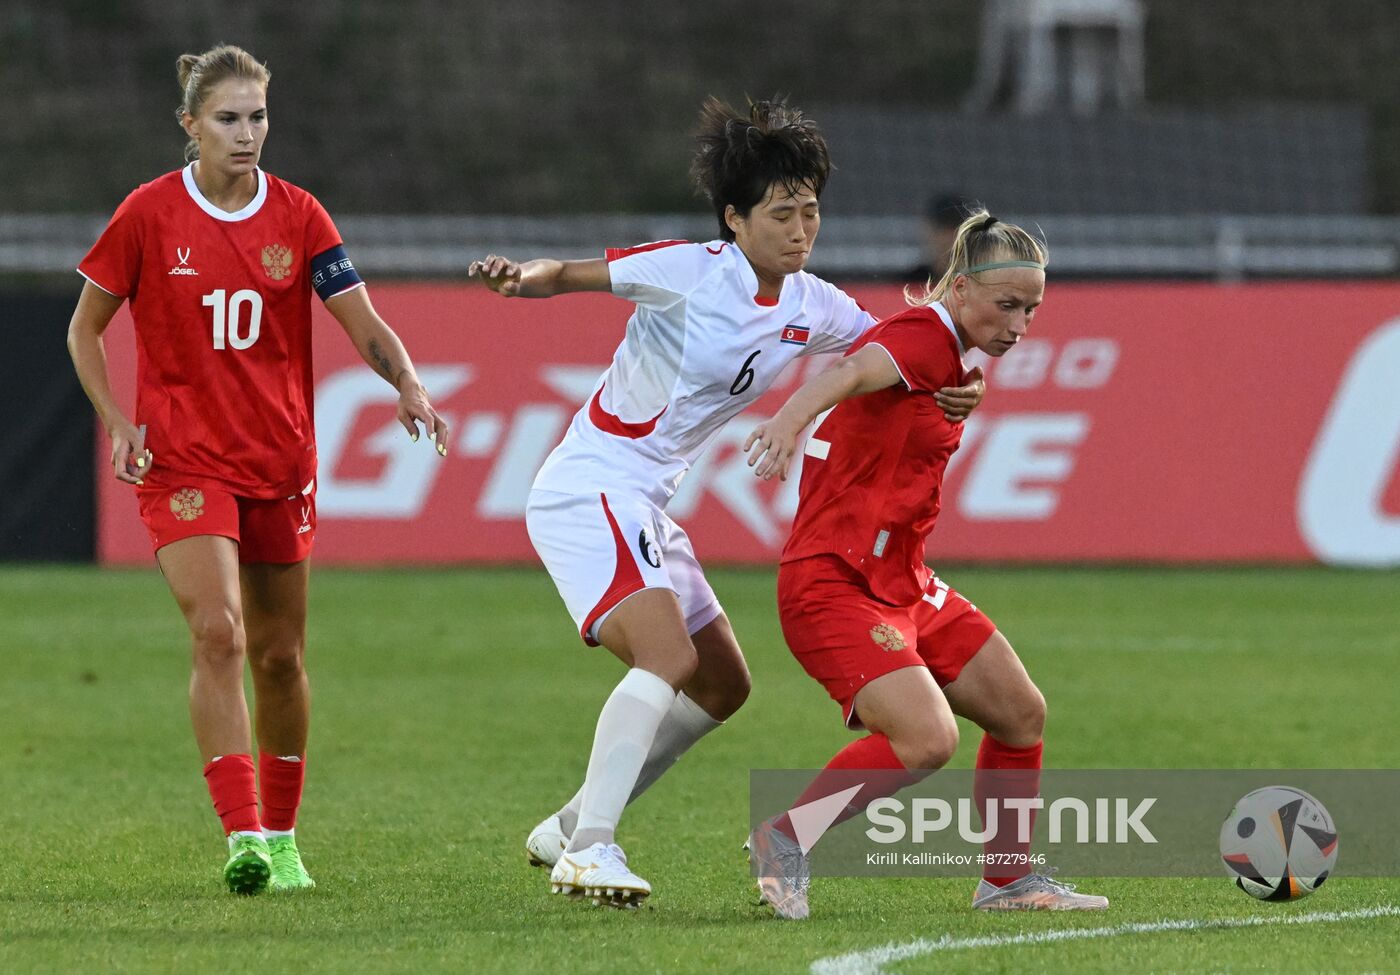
(228, 317)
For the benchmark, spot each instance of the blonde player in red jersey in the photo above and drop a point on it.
(898, 649)
(219, 261)
(714, 325)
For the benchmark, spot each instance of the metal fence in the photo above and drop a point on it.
(1218, 248)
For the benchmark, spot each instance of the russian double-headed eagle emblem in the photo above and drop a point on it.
(187, 504)
(277, 261)
(887, 637)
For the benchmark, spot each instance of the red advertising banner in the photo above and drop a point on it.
(1151, 422)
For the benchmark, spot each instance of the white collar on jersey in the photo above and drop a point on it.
(254, 205)
(942, 312)
(747, 275)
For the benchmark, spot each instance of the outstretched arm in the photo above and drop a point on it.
(130, 458)
(868, 370)
(543, 278)
(381, 348)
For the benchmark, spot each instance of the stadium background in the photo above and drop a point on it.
(1213, 210)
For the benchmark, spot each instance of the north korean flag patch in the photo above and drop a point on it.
(793, 335)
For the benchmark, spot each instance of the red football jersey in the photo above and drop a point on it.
(222, 309)
(873, 471)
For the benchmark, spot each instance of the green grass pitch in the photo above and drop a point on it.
(453, 709)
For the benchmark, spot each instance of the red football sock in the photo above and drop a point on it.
(869, 762)
(1007, 858)
(231, 786)
(281, 781)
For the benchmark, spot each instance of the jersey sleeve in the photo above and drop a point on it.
(659, 274)
(114, 263)
(923, 351)
(843, 321)
(332, 271)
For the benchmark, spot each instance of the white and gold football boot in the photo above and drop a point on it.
(599, 873)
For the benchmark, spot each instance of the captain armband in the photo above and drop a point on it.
(332, 273)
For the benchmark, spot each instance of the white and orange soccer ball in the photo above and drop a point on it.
(1279, 844)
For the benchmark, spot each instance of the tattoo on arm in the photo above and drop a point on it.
(382, 363)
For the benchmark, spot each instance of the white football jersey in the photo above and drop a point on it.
(700, 347)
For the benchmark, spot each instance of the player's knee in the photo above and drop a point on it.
(930, 746)
(928, 753)
(720, 689)
(673, 661)
(942, 746)
(280, 662)
(730, 691)
(738, 689)
(218, 636)
(1035, 719)
(684, 661)
(1024, 722)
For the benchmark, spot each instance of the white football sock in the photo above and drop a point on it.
(626, 729)
(685, 723)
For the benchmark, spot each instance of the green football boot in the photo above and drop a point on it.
(249, 865)
(288, 873)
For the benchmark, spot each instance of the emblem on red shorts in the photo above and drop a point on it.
(887, 637)
(187, 504)
(277, 261)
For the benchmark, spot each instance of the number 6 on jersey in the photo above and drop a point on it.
(226, 316)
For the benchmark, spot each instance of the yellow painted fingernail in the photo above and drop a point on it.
(414, 436)
(141, 482)
(140, 462)
(442, 449)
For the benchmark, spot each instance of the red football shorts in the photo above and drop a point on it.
(280, 530)
(845, 638)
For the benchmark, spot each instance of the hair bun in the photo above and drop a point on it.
(185, 65)
(987, 224)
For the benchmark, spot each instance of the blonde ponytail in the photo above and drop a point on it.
(983, 243)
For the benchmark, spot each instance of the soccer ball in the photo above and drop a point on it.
(1279, 844)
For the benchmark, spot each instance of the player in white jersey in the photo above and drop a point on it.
(714, 325)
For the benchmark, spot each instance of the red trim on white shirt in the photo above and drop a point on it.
(626, 580)
(609, 423)
(765, 302)
(614, 253)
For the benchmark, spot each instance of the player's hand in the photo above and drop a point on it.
(414, 408)
(500, 274)
(771, 447)
(959, 401)
(130, 458)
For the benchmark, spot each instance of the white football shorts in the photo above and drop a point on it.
(602, 548)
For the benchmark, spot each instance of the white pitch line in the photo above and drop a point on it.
(873, 960)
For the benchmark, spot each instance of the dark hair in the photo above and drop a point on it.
(738, 157)
(948, 209)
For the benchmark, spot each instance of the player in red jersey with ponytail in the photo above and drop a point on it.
(219, 261)
(898, 649)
